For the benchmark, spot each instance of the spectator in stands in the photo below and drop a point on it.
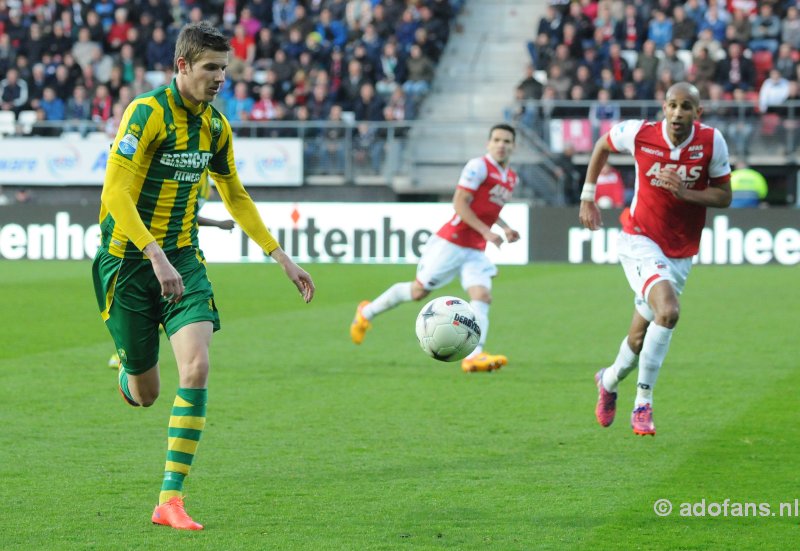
(602, 112)
(101, 104)
(785, 62)
(36, 85)
(736, 71)
(704, 70)
(283, 14)
(541, 51)
(57, 42)
(244, 45)
(766, 31)
(530, 87)
(391, 70)
(319, 104)
(160, 51)
(35, 43)
(420, 72)
(52, 106)
(333, 154)
(714, 23)
(101, 65)
(251, 24)
(551, 25)
(684, 29)
(741, 129)
(372, 42)
(660, 29)
(592, 62)
(608, 82)
(266, 108)
(79, 111)
(84, 48)
(358, 14)
(790, 28)
(645, 89)
(564, 60)
(610, 190)
(558, 81)
(266, 47)
(740, 28)
(774, 91)
(405, 29)
(617, 64)
(381, 22)
(630, 30)
(332, 31)
(4, 198)
(647, 60)
(604, 23)
(240, 106)
(672, 64)
(695, 10)
(705, 39)
(13, 92)
(583, 78)
(583, 25)
(118, 33)
(367, 148)
(368, 106)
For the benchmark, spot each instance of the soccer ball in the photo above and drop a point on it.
(447, 329)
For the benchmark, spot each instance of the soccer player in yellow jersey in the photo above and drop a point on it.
(149, 270)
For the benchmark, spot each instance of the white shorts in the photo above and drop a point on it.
(441, 261)
(645, 265)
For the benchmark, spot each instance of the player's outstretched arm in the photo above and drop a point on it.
(295, 273)
(221, 224)
(589, 214)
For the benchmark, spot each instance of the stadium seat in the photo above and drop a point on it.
(8, 123)
(686, 57)
(630, 56)
(154, 78)
(762, 61)
(26, 121)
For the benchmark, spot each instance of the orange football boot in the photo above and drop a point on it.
(173, 514)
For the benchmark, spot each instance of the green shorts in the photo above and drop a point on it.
(129, 297)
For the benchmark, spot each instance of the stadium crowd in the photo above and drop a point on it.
(82, 61)
(610, 52)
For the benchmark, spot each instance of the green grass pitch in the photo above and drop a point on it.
(313, 443)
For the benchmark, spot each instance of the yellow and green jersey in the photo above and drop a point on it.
(168, 144)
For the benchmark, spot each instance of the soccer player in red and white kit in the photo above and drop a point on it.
(458, 248)
(681, 168)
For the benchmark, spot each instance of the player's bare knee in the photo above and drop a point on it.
(418, 292)
(194, 374)
(668, 316)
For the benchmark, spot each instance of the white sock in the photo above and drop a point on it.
(654, 350)
(624, 363)
(481, 310)
(391, 297)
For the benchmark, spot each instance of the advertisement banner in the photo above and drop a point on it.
(48, 161)
(731, 236)
(309, 232)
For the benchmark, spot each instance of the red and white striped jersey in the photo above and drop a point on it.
(491, 187)
(701, 160)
